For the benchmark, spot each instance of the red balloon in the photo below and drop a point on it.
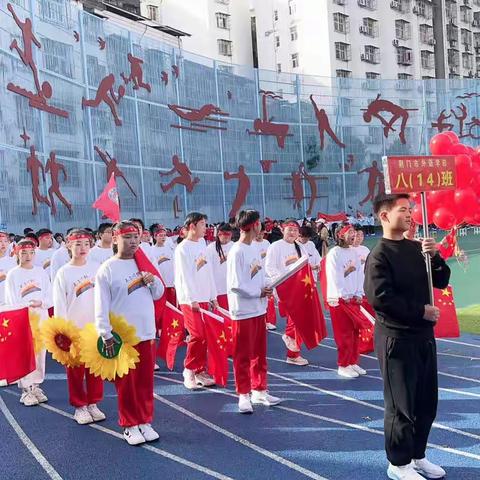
(459, 149)
(418, 217)
(473, 219)
(465, 203)
(439, 198)
(441, 144)
(463, 167)
(444, 218)
(452, 136)
(476, 178)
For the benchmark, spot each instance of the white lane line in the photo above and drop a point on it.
(242, 441)
(150, 448)
(34, 451)
(354, 426)
(319, 367)
(456, 342)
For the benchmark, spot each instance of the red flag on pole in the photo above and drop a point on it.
(217, 343)
(298, 292)
(17, 357)
(108, 201)
(447, 325)
(172, 334)
(145, 265)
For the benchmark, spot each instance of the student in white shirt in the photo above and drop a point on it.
(280, 256)
(217, 253)
(29, 285)
(59, 258)
(344, 285)
(314, 259)
(103, 250)
(247, 298)
(144, 245)
(6, 264)
(195, 288)
(73, 300)
(45, 249)
(122, 289)
(162, 257)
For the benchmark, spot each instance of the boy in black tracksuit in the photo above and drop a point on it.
(396, 286)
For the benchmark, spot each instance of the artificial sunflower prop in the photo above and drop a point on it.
(34, 318)
(62, 339)
(92, 349)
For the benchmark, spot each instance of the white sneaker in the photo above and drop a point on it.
(347, 372)
(262, 397)
(149, 434)
(189, 379)
(358, 369)
(204, 379)
(133, 436)
(38, 392)
(290, 343)
(244, 403)
(428, 469)
(271, 326)
(28, 398)
(82, 416)
(405, 472)
(156, 367)
(300, 361)
(96, 413)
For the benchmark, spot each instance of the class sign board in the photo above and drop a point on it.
(408, 174)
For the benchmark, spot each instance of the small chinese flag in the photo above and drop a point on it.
(17, 357)
(447, 325)
(145, 265)
(228, 328)
(172, 334)
(300, 297)
(448, 246)
(108, 202)
(217, 343)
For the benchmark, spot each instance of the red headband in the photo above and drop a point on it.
(344, 230)
(160, 228)
(24, 246)
(290, 224)
(249, 226)
(79, 236)
(126, 230)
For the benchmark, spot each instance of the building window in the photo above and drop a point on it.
(427, 59)
(370, 4)
(372, 75)
(426, 34)
(292, 7)
(343, 51)
(466, 38)
(293, 33)
(279, 68)
(152, 12)
(223, 20)
(277, 40)
(295, 60)
(58, 57)
(423, 9)
(467, 60)
(402, 30)
(224, 47)
(466, 14)
(369, 27)
(340, 22)
(223, 2)
(400, 5)
(404, 56)
(371, 55)
(275, 15)
(54, 11)
(344, 73)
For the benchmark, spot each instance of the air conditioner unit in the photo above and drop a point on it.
(431, 41)
(363, 29)
(363, 56)
(395, 4)
(362, 3)
(476, 23)
(415, 10)
(395, 43)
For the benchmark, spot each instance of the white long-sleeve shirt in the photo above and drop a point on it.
(193, 273)
(99, 255)
(281, 255)
(219, 267)
(73, 293)
(119, 288)
(43, 259)
(245, 280)
(262, 247)
(314, 258)
(58, 260)
(163, 260)
(6, 264)
(23, 285)
(344, 275)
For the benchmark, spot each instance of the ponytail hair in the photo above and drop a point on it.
(223, 227)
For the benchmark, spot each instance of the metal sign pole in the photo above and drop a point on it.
(427, 256)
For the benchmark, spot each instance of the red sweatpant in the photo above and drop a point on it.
(290, 330)
(223, 301)
(271, 313)
(196, 356)
(345, 335)
(250, 354)
(135, 390)
(171, 295)
(83, 388)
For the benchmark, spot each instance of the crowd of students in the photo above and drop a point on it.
(86, 276)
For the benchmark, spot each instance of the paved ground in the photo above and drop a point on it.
(327, 427)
